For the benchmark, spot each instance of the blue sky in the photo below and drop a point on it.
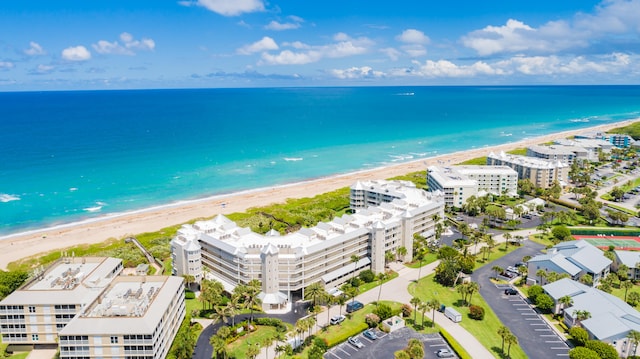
(99, 44)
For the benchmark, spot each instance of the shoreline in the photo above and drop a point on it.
(119, 225)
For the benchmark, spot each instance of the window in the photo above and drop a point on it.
(114, 340)
(32, 309)
(34, 337)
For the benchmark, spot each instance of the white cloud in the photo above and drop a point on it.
(228, 7)
(280, 26)
(288, 57)
(413, 36)
(129, 44)
(44, 69)
(6, 65)
(344, 47)
(265, 44)
(414, 50)
(555, 65)
(363, 72)
(392, 53)
(34, 49)
(76, 53)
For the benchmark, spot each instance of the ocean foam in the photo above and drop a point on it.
(8, 197)
(293, 159)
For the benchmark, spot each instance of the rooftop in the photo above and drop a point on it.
(528, 161)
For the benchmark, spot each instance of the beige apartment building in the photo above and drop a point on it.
(286, 264)
(542, 173)
(59, 306)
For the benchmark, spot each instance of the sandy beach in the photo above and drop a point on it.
(34, 243)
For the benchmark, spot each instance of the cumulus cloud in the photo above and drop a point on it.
(264, 44)
(444, 68)
(6, 65)
(76, 53)
(554, 65)
(364, 72)
(34, 49)
(609, 20)
(343, 46)
(228, 7)
(295, 23)
(392, 53)
(42, 70)
(128, 46)
(413, 36)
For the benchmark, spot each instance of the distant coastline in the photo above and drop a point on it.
(119, 225)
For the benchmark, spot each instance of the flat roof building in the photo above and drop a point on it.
(286, 264)
(458, 183)
(560, 153)
(86, 308)
(542, 173)
(373, 193)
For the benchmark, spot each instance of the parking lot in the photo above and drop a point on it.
(537, 329)
(386, 345)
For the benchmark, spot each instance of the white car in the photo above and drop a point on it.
(355, 342)
(445, 353)
(337, 319)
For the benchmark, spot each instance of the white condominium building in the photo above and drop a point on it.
(90, 311)
(286, 264)
(560, 153)
(375, 192)
(458, 183)
(542, 173)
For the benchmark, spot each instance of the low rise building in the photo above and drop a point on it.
(542, 173)
(364, 194)
(458, 183)
(560, 153)
(575, 258)
(610, 319)
(629, 259)
(286, 264)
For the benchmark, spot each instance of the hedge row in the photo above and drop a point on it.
(462, 353)
(344, 335)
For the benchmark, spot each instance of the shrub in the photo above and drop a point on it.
(476, 312)
(372, 320)
(383, 311)
(583, 353)
(271, 322)
(189, 294)
(604, 350)
(544, 302)
(406, 310)
(579, 336)
(321, 343)
(367, 276)
(561, 233)
(534, 291)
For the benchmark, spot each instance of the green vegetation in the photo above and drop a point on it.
(474, 161)
(486, 331)
(336, 334)
(518, 151)
(427, 259)
(632, 130)
(462, 353)
(238, 349)
(418, 178)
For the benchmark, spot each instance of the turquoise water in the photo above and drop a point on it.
(69, 156)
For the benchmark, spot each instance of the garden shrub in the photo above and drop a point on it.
(476, 312)
(367, 276)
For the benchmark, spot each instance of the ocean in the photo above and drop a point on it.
(71, 156)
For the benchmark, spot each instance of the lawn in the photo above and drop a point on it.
(479, 161)
(368, 286)
(428, 258)
(238, 349)
(486, 330)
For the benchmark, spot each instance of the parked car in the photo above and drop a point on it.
(355, 342)
(445, 353)
(512, 270)
(370, 334)
(337, 319)
(510, 291)
(353, 306)
(521, 264)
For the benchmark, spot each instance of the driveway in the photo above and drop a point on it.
(535, 336)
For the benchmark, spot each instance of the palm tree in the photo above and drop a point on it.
(566, 301)
(503, 332)
(250, 297)
(623, 272)
(626, 285)
(381, 279)
(342, 299)
(634, 338)
(388, 257)
(496, 269)
(253, 350)
(219, 346)
(473, 287)
(354, 260)
(415, 301)
(507, 236)
(314, 291)
(220, 314)
(267, 343)
(541, 273)
(510, 339)
(402, 251)
(434, 305)
(423, 307)
(581, 315)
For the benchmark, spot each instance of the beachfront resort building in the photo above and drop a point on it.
(87, 309)
(615, 139)
(610, 321)
(458, 183)
(575, 258)
(560, 153)
(364, 194)
(325, 253)
(542, 173)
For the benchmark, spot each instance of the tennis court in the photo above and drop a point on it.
(619, 242)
